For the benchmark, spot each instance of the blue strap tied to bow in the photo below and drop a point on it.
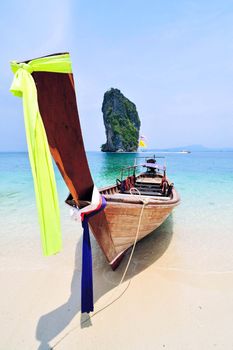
(87, 278)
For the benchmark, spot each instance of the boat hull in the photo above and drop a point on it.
(116, 228)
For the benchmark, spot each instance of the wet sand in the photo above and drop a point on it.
(174, 296)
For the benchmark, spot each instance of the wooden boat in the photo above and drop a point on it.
(115, 227)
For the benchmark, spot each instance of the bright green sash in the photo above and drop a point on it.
(39, 154)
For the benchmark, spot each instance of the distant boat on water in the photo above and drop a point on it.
(184, 151)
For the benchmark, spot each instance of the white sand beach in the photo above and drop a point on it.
(178, 295)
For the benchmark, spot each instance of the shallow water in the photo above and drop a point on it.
(202, 224)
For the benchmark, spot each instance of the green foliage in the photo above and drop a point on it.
(120, 115)
(124, 128)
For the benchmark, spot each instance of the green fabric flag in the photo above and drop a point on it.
(38, 149)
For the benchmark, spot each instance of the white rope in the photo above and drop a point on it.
(145, 202)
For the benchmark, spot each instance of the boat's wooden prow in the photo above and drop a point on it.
(58, 108)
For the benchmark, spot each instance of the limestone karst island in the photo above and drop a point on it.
(122, 123)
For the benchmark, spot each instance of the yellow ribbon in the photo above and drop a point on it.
(39, 154)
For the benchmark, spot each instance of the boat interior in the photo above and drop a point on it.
(151, 183)
(141, 185)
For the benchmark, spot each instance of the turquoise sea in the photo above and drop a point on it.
(202, 225)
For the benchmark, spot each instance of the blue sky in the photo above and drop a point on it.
(173, 59)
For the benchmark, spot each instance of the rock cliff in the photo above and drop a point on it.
(121, 122)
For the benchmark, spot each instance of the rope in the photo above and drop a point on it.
(145, 202)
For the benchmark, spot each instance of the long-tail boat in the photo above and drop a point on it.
(51, 119)
(115, 227)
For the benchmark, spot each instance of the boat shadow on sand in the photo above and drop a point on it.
(147, 251)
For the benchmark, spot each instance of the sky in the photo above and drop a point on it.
(173, 59)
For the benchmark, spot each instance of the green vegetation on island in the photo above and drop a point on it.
(122, 123)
